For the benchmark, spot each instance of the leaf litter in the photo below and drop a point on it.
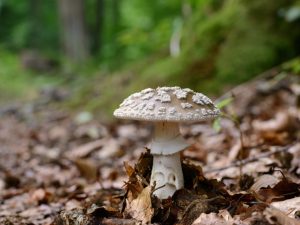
(55, 170)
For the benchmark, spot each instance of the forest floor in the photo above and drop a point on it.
(57, 168)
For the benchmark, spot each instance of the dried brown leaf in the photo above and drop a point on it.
(282, 190)
(275, 215)
(289, 206)
(264, 181)
(86, 149)
(221, 218)
(141, 207)
(41, 196)
(278, 123)
(87, 168)
(129, 169)
(110, 148)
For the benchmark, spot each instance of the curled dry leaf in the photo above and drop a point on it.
(86, 149)
(284, 189)
(58, 133)
(41, 196)
(93, 131)
(276, 216)
(140, 208)
(221, 218)
(110, 149)
(87, 168)
(278, 123)
(137, 182)
(289, 206)
(72, 204)
(264, 181)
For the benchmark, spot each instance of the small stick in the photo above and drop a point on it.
(252, 159)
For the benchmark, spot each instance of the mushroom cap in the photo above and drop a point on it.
(172, 104)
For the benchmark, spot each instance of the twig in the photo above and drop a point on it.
(252, 159)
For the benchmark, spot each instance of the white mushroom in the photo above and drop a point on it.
(166, 107)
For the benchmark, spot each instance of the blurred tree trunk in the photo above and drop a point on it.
(116, 13)
(34, 9)
(186, 9)
(98, 29)
(74, 33)
(115, 9)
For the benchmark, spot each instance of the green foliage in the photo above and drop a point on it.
(222, 42)
(18, 83)
(29, 24)
(146, 26)
(224, 102)
(257, 41)
(201, 36)
(217, 124)
(292, 66)
(229, 42)
(220, 105)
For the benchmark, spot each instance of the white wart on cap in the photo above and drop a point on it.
(167, 104)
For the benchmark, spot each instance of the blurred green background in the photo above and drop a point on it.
(100, 51)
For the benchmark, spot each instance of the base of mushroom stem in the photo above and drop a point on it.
(166, 175)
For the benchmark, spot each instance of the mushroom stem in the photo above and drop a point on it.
(166, 171)
(167, 139)
(166, 175)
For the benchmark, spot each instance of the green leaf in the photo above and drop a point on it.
(224, 102)
(217, 124)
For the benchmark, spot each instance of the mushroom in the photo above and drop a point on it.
(167, 107)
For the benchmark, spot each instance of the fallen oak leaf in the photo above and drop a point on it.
(223, 217)
(272, 214)
(111, 148)
(87, 168)
(139, 176)
(289, 206)
(264, 181)
(140, 208)
(128, 169)
(86, 149)
(284, 189)
(40, 196)
(278, 123)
